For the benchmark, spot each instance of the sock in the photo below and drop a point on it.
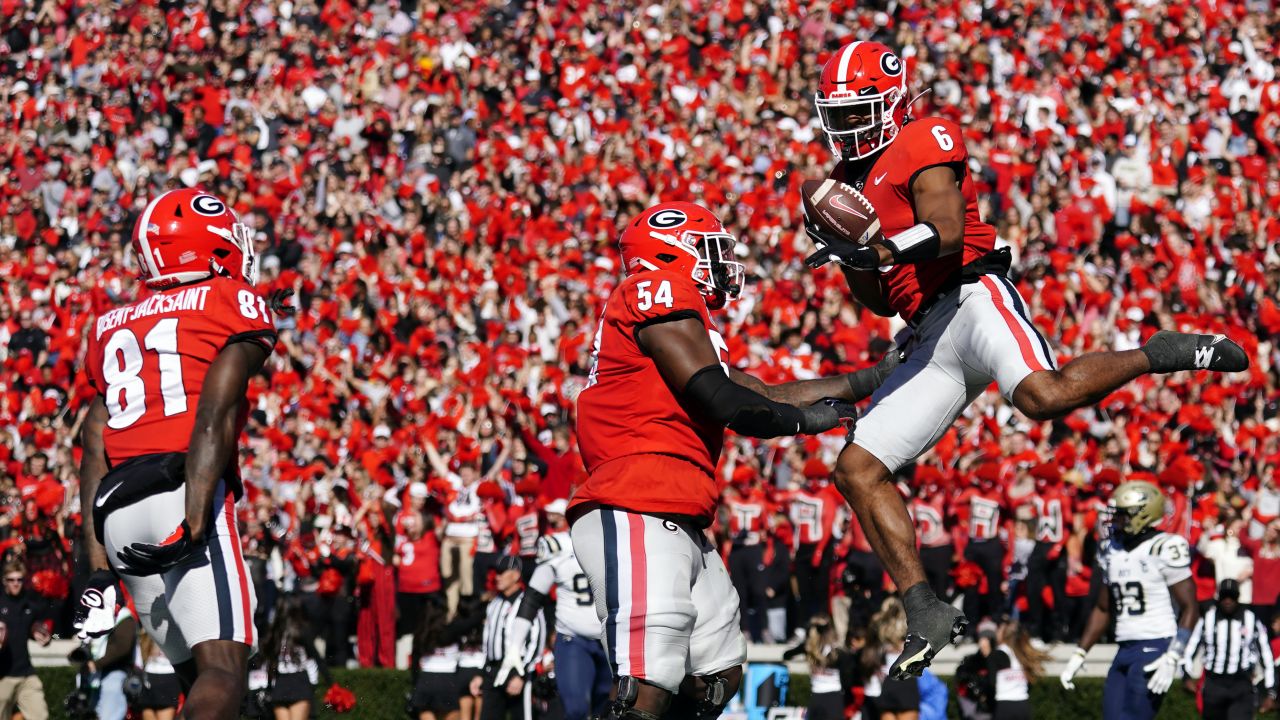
(918, 598)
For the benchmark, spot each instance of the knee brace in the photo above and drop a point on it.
(623, 705)
(715, 697)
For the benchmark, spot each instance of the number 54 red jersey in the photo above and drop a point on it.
(148, 360)
(642, 449)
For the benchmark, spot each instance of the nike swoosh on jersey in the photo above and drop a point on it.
(838, 201)
(882, 176)
(102, 499)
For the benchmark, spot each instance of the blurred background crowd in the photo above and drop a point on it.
(441, 185)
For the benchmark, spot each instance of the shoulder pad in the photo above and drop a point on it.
(1173, 550)
(549, 546)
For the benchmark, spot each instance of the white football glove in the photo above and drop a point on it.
(96, 614)
(510, 663)
(1164, 670)
(1073, 666)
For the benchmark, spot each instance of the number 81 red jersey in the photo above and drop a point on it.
(148, 360)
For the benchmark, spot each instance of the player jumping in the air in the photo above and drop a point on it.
(160, 475)
(1142, 569)
(933, 263)
(651, 427)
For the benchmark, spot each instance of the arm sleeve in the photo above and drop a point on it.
(740, 408)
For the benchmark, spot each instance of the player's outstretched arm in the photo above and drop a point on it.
(850, 387)
(684, 355)
(213, 439)
(93, 467)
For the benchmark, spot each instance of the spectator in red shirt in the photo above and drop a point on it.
(417, 565)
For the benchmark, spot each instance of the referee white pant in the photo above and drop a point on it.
(664, 598)
(208, 598)
(974, 335)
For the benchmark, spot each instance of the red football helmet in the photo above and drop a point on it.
(686, 238)
(861, 99)
(189, 235)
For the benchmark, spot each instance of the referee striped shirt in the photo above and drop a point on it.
(497, 623)
(1232, 644)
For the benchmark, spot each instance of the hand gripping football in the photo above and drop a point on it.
(840, 210)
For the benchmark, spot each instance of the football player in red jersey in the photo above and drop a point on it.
(935, 265)
(651, 427)
(160, 475)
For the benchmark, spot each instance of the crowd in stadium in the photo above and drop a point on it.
(440, 185)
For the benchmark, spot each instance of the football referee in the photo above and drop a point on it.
(509, 697)
(1235, 644)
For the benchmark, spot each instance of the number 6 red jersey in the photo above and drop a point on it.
(148, 360)
(642, 450)
(921, 144)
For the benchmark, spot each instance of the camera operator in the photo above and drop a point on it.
(19, 684)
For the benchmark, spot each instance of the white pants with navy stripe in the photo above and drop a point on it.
(666, 604)
(209, 598)
(977, 334)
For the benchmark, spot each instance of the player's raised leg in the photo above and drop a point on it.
(1090, 378)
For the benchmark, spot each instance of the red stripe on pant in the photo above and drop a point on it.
(639, 595)
(242, 577)
(1015, 327)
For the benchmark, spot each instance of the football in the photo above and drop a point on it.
(841, 210)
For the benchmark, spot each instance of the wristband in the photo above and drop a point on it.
(917, 243)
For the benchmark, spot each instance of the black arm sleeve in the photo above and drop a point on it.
(747, 412)
(531, 605)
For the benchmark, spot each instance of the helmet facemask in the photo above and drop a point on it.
(241, 236)
(717, 268)
(858, 126)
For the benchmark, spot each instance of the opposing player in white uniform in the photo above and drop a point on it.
(1146, 571)
(583, 678)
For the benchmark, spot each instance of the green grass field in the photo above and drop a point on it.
(381, 694)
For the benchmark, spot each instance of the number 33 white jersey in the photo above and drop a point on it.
(575, 606)
(1139, 581)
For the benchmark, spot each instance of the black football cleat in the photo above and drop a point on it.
(1171, 351)
(928, 631)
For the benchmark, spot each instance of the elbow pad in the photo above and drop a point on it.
(747, 412)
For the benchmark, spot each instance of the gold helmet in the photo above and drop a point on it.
(1137, 506)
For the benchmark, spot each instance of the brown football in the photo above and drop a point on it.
(840, 209)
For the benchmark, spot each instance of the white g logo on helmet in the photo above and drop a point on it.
(890, 64)
(208, 205)
(667, 219)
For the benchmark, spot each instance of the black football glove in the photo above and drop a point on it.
(844, 251)
(96, 612)
(148, 559)
(827, 414)
(278, 300)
